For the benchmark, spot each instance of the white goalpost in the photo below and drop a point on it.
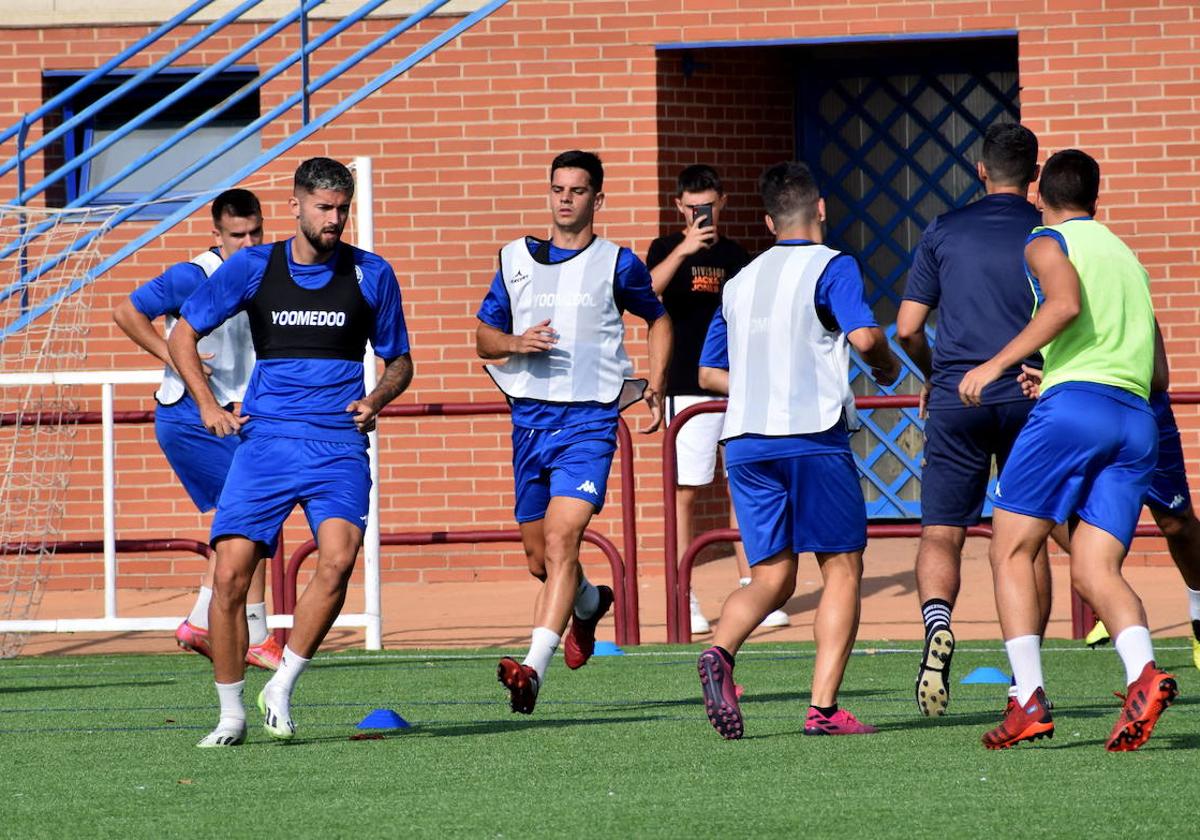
(39, 382)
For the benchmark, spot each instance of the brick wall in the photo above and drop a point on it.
(461, 146)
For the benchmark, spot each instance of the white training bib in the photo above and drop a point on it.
(230, 344)
(788, 373)
(589, 363)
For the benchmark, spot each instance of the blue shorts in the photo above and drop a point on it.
(1087, 451)
(1169, 487)
(573, 461)
(959, 446)
(199, 458)
(271, 475)
(806, 503)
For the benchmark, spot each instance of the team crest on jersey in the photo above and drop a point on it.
(358, 275)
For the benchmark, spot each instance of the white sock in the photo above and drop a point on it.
(1193, 605)
(542, 645)
(587, 599)
(279, 688)
(1134, 647)
(1025, 656)
(233, 712)
(256, 620)
(199, 614)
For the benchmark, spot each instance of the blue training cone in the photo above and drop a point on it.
(607, 649)
(986, 676)
(383, 719)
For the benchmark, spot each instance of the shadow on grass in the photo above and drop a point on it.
(423, 731)
(1182, 741)
(985, 718)
(27, 689)
(750, 698)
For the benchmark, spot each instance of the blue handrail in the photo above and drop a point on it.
(198, 122)
(162, 104)
(275, 151)
(221, 107)
(116, 61)
(128, 85)
(306, 111)
(246, 131)
(187, 130)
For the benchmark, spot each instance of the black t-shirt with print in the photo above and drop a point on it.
(691, 299)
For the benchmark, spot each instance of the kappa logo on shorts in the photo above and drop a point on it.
(588, 487)
(1176, 502)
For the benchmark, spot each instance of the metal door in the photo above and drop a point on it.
(893, 135)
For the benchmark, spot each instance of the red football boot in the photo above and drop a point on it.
(1145, 700)
(522, 682)
(580, 642)
(1022, 723)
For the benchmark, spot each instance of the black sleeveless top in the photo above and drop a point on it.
(288, 321)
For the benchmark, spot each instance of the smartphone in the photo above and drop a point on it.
(704, 214)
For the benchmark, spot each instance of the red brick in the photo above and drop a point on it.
(474, 127)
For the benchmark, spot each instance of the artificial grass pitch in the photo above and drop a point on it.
(104, 747)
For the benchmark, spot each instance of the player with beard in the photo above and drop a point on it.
(313, 303)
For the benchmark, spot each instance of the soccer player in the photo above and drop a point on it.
(1086, 454)
(200, 460)
(1170, 502)
(551, 326)
(779, 347)
(689, 269)
(968, 263)
(313, 302)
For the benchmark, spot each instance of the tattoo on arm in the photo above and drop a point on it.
(397, 375)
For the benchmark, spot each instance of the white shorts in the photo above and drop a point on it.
(696, 446)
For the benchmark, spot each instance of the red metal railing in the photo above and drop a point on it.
(626, 583)
(625, 619)
(678, 571)
(97, 547)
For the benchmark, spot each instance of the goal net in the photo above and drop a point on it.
(37, 437)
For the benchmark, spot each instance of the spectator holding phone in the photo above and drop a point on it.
(688, 270)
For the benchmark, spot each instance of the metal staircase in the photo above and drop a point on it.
(63, 187)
